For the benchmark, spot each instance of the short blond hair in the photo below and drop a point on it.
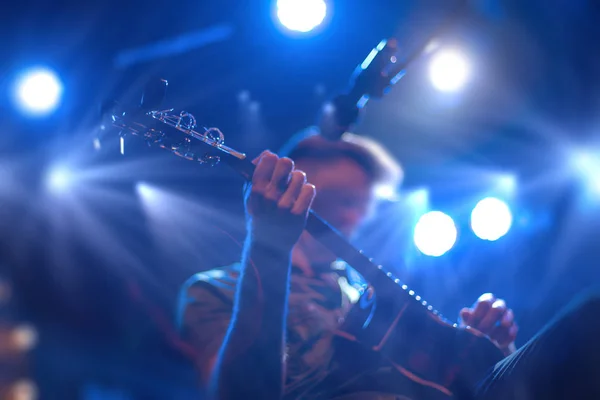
(378, 163)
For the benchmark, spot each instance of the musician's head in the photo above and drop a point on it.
(346, 174)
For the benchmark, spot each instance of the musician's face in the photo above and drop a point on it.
(344, 192)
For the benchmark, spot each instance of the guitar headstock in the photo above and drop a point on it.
(372, 78)
(379, 71)
(176, 132)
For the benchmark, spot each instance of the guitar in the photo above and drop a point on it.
(428, 350)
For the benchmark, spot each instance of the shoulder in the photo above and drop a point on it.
(223, 279)
(210, 289)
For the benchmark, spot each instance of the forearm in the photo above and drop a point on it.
(251, 360)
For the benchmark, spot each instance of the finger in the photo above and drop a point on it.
(481, 308)
(504, 336)
(485, 297)
(508, 318)
(502, 332)
(257, 159)
(465, 315)
(263, 171)
(289, 197)
(512, 333)
(304, 200)
(500, 335)
(280, 179)
(281, 175)
(493, 316)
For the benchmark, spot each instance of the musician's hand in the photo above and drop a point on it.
(490, 316)
(278, 201)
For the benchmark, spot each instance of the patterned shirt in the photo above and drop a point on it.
(316, 307)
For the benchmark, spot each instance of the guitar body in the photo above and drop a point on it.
(409, 353)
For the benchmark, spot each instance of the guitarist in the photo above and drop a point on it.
(235, 317)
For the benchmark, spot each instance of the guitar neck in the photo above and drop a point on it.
(346, 110)
(381, 280)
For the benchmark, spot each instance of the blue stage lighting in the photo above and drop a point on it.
(59, 179)
(301, 15)
(507, 183)
(491, 219)
(37, 91)
(587, 165)
(449, 70)
(435, 233)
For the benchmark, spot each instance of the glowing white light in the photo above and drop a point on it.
(449, 70)
(38, 91)
(143, 189)
(59, 179)
(301, 15)
(435, 233)
(508, 183)
(491, 219)
(149, 195)
(385, 192)
(587, 166)
(585, 162)
(418, 198)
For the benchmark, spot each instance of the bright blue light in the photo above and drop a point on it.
(301, 15)
(449, 70)
(59, 179)
(507, 183)
(435, 233)
(491, 219)
(588, 166)
(38, 91)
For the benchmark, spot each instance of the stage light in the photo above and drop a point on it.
(585, 162)
(38, 91)
(507, 183)
(385, 192)
(145, 191)
(418, 198)
(491, 219)
(435, 233)
(587, 166)
(97, 144)
(59, 179)
(301, 15)
(448, 70)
